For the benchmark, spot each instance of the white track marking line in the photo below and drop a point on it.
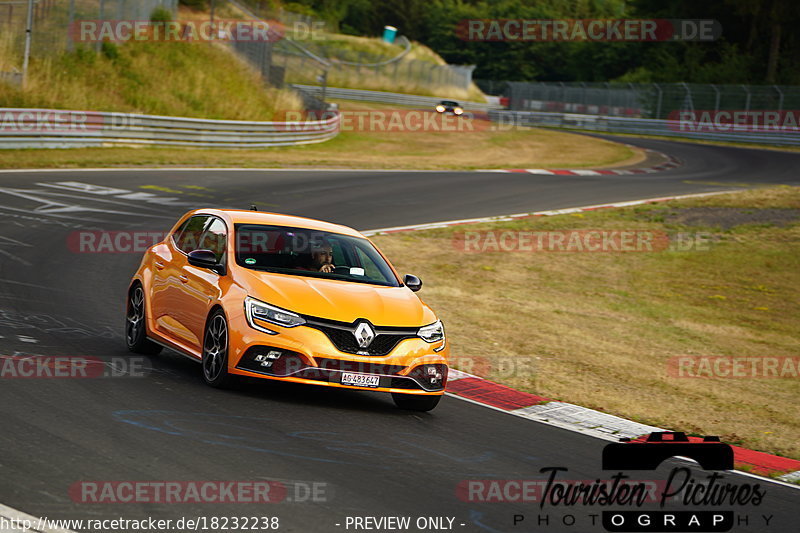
(106, 200)
(18, 516)
(76, 186)
(15, 257)
(14, 242)
(23, 284)
(569, 210)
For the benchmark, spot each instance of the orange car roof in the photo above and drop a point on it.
(241, 216)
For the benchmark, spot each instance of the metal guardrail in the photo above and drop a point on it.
(643, 126)
(388, 98)
(50, 128)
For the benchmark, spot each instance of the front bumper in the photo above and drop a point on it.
(306, 355)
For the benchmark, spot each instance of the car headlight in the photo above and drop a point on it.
(440, 108)
(432, 332)
(258, 311)
(458, 110)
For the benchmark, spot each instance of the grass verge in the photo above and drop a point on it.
(437, 150)
(601, 329)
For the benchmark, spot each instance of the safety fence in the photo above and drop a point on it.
(308, 52)
(387, 97)
(642, 100)
(47, 128)
(689, 129)
(54, 20)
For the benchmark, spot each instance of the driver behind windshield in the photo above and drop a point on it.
(320, 259)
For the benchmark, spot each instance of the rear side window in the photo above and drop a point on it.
(189, 237)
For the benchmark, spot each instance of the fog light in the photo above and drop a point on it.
(434, 376)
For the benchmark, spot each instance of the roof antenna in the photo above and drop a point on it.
(253, 207)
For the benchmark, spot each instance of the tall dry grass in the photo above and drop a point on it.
(200, 80)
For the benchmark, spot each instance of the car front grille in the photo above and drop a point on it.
(341, 334)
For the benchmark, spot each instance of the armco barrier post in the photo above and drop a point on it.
(70, 22)
(28, 32)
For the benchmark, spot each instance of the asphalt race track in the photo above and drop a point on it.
(366, 457)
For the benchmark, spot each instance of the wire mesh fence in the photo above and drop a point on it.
(304, 50)
(56, 24)
(646, 100)
(310, 52)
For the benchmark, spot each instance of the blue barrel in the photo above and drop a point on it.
(389, 33)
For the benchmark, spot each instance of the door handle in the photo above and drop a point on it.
(159, 265)
(184, 279)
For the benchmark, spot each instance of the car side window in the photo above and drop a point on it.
(176, 235)
(215, 239)
(189, 238)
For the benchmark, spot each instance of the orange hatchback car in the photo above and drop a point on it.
(288, 298)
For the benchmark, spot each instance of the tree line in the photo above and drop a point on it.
(758, 42)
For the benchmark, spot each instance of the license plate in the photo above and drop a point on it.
(360, 380)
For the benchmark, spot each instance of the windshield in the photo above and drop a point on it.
(312, 253)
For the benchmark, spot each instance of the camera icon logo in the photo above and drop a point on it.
(710, 454)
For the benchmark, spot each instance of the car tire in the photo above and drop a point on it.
(215, 352)
(414, 402)
(136, 324)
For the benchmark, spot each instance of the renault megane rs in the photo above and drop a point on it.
(286, 298)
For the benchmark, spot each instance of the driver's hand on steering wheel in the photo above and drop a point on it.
(327, 267)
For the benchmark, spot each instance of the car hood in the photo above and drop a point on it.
(344, 301)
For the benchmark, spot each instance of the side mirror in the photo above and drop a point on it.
(412, 282)
(206, 259)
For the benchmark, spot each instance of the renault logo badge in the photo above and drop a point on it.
(364, 334)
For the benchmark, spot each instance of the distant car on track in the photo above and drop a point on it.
(286, 298)
(449, 106)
